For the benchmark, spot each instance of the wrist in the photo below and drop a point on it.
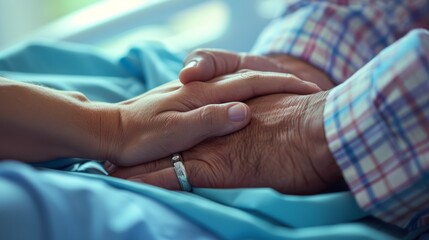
(105, 134)
(321, 158)
(44, 124)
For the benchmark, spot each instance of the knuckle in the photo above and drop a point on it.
(195, 87)
(208, 116)
(79, 96)
(211, 169)
(291, 76)
(195, 93)
(249, 74)
(199, 52)
(168, 123)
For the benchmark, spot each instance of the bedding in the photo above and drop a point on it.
(75, 199)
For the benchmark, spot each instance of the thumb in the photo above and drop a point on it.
(214, 120)
(205, 64)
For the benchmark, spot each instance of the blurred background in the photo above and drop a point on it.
(116, 24)
(18, 18)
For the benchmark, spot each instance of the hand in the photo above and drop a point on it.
(284, 147)
(205, 64)
(174, 117)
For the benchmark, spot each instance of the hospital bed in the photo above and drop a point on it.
(73, 204)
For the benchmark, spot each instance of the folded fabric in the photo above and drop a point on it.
(52, 204)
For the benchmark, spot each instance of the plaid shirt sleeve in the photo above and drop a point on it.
(340, 36)
(376, 122)
(377, 127)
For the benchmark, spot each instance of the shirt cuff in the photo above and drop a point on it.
(376, 125)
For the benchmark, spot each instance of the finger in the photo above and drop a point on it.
(197, 172)
(248, 84)
(210, 121)
(127, 172)
(165, 178)
(206, 64)
(207, 121)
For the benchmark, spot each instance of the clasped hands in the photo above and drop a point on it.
(281, 143)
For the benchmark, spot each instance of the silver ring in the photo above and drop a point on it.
(179, 168)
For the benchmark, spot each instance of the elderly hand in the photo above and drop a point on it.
(175, 117)
(205, 64)
(284, 147)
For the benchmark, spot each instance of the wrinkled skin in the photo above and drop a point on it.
(283, 147)
(272, 151)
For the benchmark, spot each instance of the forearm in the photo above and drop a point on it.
(37, 123)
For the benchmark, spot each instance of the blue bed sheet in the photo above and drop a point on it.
(51, 204)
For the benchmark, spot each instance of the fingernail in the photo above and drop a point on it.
(191, 64)
(237, 113)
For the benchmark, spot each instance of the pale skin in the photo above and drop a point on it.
(39, 124)
(284, 146)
